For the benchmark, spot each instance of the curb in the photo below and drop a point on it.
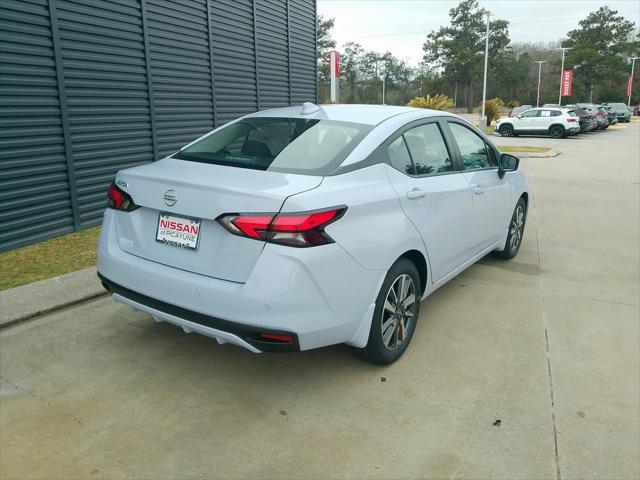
(28, 301)
(549, 154)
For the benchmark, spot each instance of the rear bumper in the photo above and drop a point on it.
(319, 295)
(223, 330)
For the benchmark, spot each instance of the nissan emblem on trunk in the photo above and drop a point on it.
(170, 198)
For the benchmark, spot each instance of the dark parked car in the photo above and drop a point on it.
(621, 110)
(636, 110)
(611, 114)
(598, 112)
(586, 120)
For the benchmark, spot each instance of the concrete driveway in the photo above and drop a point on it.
(524, 369)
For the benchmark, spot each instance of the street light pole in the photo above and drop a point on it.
(539, 62)
(483, 119)
(633, 64)
(564, 49)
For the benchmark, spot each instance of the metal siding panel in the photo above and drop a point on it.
(234, 59)
(35, 201)
(120, 79)
(273, 64)
(107, 91)
(303, 50)
(180, 62)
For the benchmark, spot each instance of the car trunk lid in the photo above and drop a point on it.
(196, 194)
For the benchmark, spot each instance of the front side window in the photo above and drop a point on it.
(428, 150)
(473, 150)
(289, 145)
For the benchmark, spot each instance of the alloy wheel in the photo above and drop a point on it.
(398, 312)
(506, 131)
(516, 228)
(556, 132)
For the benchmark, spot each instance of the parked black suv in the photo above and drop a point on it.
(621, 110)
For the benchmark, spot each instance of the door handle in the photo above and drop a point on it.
(415, 193)
(478, 190)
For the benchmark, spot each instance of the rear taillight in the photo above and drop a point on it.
(600, 114)
(305, 229)
(119, 200)
(571, 119)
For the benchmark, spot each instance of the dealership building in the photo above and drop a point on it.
(88, 87)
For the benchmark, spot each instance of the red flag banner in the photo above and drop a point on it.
(629, 86)
(567, 83)
(334, 59)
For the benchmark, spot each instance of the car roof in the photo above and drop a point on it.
(365, 114)
(550, 108)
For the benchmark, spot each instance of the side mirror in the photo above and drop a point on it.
(518, 116)
(507, 163)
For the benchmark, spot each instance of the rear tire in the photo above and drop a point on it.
(395, 316)
(556, 131)
(516, 232)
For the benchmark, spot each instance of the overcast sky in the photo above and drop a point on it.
(400, 26)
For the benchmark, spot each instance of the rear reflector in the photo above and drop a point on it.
(277, 338)
(304, 229)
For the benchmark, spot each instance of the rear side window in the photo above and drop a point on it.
(556, 113)
(289, 145)
(530, 114)
(399, 156)
(428, 150)
(473, 150)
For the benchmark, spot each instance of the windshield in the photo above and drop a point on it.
(289, 145)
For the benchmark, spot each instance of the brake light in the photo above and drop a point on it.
(305, 229)
(600, 114)
(571, 119)
(119, 200)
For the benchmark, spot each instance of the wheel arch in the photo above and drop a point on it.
(557, 125)
(417, 258)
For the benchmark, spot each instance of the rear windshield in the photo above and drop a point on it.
(289, 145)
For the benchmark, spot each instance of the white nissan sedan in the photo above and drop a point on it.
(301, 227)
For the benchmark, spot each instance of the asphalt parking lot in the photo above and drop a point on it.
(523, 369)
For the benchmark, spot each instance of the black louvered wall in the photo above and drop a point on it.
(88, 87)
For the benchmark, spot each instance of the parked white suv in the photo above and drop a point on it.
(555, 122)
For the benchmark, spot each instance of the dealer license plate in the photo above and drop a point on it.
(177, 231)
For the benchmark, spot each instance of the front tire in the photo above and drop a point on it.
(516, 232)
(395, 316)
(506, 131)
